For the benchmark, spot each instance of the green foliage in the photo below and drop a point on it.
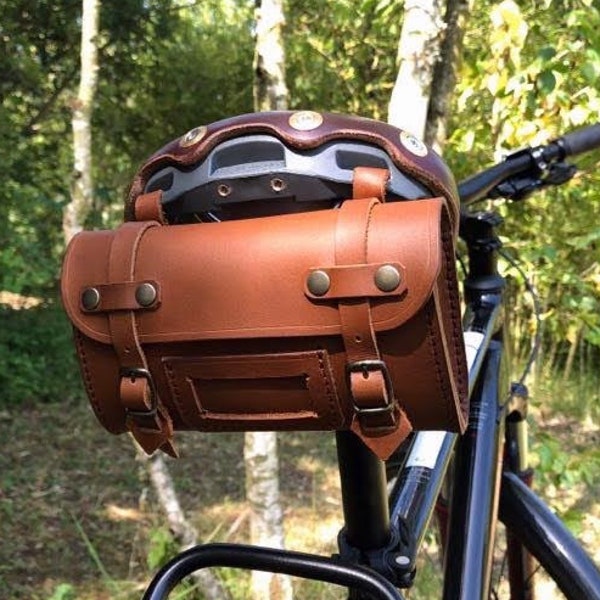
(535, 81)
(37, 361)
(161, 547)
(342, 59)
(63, 591)
(559, 466)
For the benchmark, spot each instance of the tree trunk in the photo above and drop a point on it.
(183, 531)
(270, 90)
(266, 516)
(573, 338)
(73, 221)
(445, 72)
(82, 185)
(260, 448)
(418, 52)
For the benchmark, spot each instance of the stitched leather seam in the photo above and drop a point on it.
(367, 230)
(330, 400)
(455, 315)
(176, 393)
(87, 375)
(435, 352)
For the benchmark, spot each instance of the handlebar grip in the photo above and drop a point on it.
(581, 140)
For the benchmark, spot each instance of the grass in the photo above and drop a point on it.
(75, 522)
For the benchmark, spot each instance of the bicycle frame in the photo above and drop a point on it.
(486, 468)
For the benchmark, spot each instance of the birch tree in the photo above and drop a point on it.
(82, 183)
(429, 53)
(73, 221)
(260, 448)
(418, 52)
(445, 72)
(181, 529)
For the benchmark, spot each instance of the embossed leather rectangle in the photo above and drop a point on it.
(294, 390)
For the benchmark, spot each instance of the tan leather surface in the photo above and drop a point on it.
(246, 279)
(236, 343)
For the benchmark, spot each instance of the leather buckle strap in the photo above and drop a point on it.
(373, 416)
(138, 373)
(146, 418)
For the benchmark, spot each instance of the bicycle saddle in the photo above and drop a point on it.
(278, 162)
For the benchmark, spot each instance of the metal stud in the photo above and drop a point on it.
(193, 136)
(224, 190)
(413, 144)
(387, 278)
(145, 294)
(277, 184)
(90, 298)
(318, 283)
(305, 120)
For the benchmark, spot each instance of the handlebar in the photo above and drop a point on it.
(581, 140)
(527, 170)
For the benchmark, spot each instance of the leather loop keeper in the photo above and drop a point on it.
(369, 182)
(122, 296)
(148, 207)
(356, 281)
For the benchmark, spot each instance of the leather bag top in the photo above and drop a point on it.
(210, 287)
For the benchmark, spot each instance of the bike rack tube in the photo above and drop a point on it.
(297, 564)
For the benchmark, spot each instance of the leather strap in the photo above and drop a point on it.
(378, 420)
(146, 418)
(356, 281)
(148, 207)
(368, 388)
(369, 182)
(377, 412)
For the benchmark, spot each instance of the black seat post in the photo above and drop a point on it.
(364, 494)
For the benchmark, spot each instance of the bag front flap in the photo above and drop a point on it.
(255, 278)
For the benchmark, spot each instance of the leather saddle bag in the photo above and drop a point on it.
(335, 319)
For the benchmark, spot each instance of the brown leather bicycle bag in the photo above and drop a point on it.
(344, 318)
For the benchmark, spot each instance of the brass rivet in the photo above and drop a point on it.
(192, 136)
(387, 278)
(145, 294)
(318, 283)
(90, 298)
(305, 120)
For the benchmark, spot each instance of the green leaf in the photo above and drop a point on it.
(547, 82)
(547, 53)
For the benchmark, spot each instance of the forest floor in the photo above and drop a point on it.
(77, 520)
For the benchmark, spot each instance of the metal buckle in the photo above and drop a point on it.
(368, 366)
(133, 374)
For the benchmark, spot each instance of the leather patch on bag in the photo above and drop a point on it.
(279, 391)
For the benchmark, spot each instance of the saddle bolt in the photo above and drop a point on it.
(224, 190)
(277, 184)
